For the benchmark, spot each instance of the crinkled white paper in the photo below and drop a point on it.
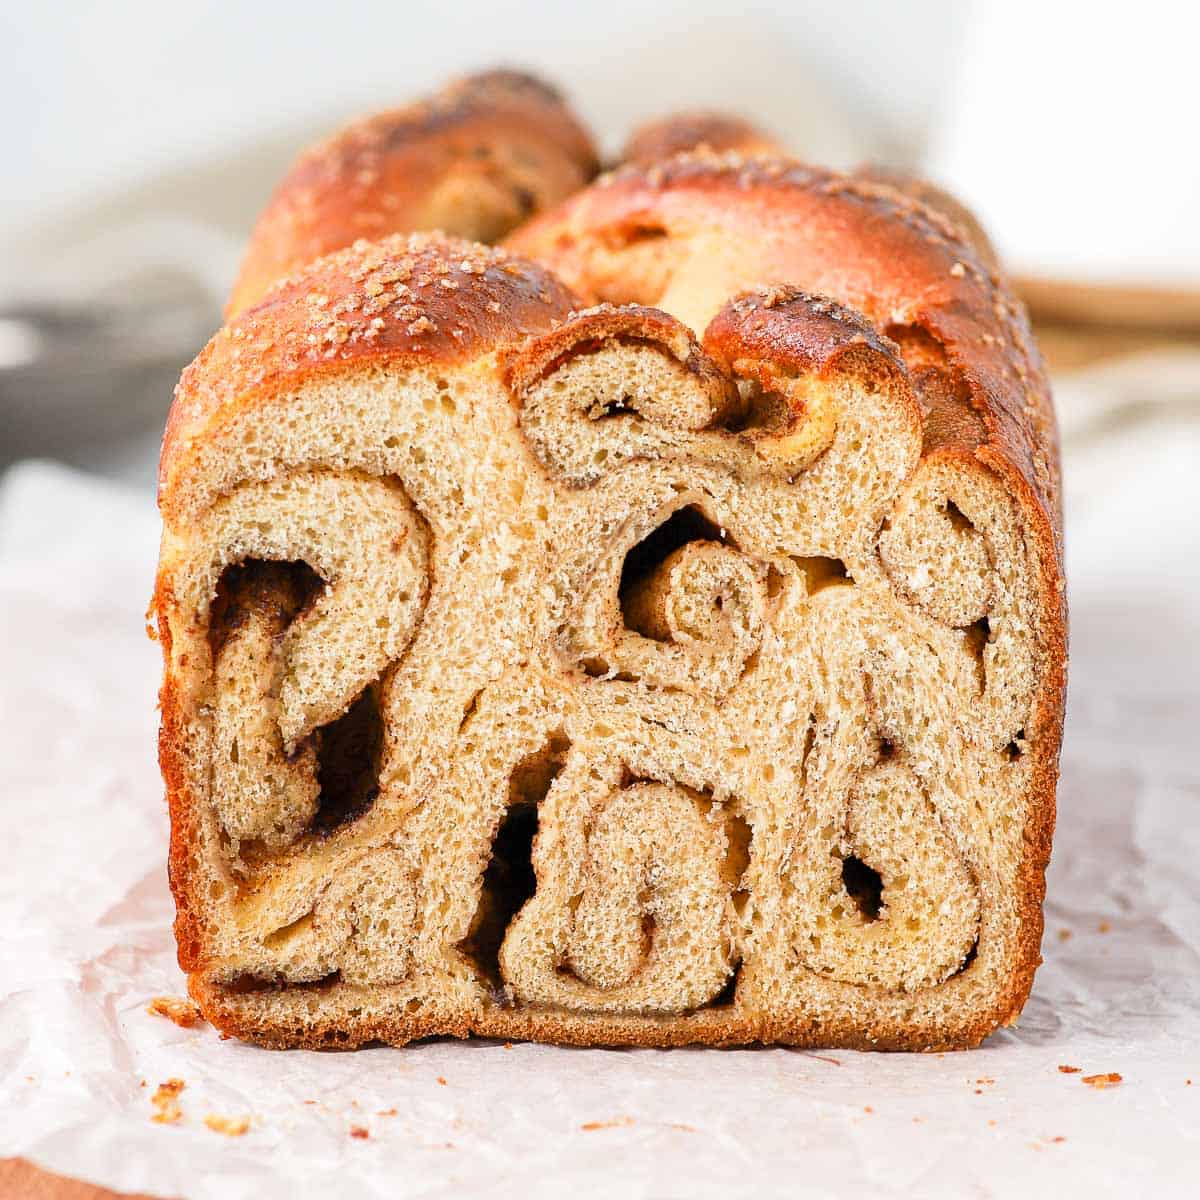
(86, 943)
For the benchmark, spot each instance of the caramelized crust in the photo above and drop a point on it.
(794, 330)
(473, 161)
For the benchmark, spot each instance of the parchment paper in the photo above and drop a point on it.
(86, 943)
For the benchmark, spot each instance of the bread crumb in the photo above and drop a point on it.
(616, 1123)
(1064, 935)
(508, 1045)
(1103, 927)
(386, 1112)
(1058, 1140)
(357, 1131)
(867, 1108)
(441, 1080)
(165, 1102)
(1107, 1080)
(229, 1126)
(1069, 1070)
(183, 1012)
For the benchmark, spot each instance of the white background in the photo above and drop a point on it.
(1072, 128)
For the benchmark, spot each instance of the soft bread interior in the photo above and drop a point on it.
(690, 707)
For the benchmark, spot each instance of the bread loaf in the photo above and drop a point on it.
(655, 636)
(475, 160)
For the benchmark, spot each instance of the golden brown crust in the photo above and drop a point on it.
(791, 328)
(182, 809)
(684, 131)
(474, 160)
(936, 198)
(420, 299)
(559, 1026)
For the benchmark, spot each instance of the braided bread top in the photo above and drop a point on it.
(687, 233)
(474, 160)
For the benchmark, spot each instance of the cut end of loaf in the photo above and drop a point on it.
(598, 678)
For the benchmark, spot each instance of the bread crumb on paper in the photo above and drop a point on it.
(1104, 927)
(1106, 1080)
(183, 1012)
(441, 1080)
(615, 1123)
(357, 1131)
(386, 1112)
(1069, 1070)
(1042, 1143)
(165, 1102)
(229, 1126)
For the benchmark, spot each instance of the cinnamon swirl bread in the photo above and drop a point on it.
(658, 642)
